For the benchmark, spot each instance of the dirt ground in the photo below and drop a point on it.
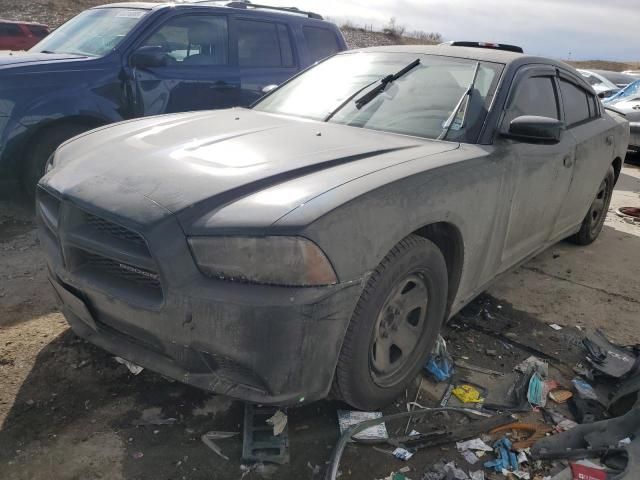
(69, 411)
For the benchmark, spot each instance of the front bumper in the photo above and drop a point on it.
(263, 344)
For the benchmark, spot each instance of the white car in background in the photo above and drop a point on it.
(603, 87)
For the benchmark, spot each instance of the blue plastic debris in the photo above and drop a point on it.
(440, 364)
(507, 460)
(536, 394)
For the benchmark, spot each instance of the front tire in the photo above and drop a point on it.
(594, 220)
(394, 325)
(45, 145)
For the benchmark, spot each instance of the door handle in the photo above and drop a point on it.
(609, 140)
(567, 161)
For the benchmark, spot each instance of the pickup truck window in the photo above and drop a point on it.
(321, 42)
(38, 31)
(263, 44)
(574, 99)
(93, 33)
(419, 103)
(192, 40)
(9, 30)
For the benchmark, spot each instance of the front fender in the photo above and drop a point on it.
(41, 99)
(358, 223)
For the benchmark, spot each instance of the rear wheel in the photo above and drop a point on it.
(394, 325)
(45, 145)
(594, 220)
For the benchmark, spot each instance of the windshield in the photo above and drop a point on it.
(93, 33)
(419, 103)
(627, 93)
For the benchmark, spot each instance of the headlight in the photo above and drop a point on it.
(289, 261)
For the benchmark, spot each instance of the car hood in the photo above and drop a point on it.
(193, 163)
(9, 59)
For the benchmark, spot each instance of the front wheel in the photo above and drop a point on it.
(44, 146)
(594, 220)
(394, 325)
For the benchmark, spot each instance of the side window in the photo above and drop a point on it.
(320, 42)
(192, 40)
(575, 101)
(10, 30)
(263, 44)
(535, 96)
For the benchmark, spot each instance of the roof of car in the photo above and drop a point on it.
(236, 5)
(483, 54)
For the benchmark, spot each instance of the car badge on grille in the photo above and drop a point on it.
(138, 271)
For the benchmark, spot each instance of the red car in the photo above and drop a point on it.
(21, 35)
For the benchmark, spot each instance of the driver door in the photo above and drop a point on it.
(195, 72)
(540, 173)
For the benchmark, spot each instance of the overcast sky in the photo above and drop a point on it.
(586, 29)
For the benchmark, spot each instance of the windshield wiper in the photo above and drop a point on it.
(366, 98)
(467, 94)
(46, 51)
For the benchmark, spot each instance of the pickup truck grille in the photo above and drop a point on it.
(103, 253)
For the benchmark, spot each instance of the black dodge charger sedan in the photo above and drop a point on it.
(319, 240)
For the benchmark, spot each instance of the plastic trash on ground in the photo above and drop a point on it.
(467, 394)
(348, 418)
(133, 368)
(440, 364)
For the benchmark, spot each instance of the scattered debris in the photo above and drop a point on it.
(607, 358)
(153, 416)
(137, 455)
(473, 368)
(560, 395)
(524, 435)
(347, 419)
(209, 443)
(133, 368)
(470, 457)
(440, 364)
(584, 390)
(403, 453)
(278, 421)
(259, 444)
(507, 460)
(532, 364)
(338, 449)
(555, 326)
(475, 444)
(588, 470)
(467, 394)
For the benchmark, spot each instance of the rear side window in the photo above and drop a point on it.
(263, 44)
(320, 42)
(38, 31)
(10, 30)
(576, 103)
(535, 96)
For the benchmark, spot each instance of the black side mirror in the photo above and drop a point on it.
(532, 129)
(148, 57)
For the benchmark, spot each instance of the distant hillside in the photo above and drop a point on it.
(606, 65)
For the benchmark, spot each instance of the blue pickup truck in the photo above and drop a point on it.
(128, 60)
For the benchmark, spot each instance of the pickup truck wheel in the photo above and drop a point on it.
(594, 220)
(44, 146)
(394, 325)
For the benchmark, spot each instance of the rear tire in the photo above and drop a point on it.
(394, 325)
(594, 220)
(46, 143)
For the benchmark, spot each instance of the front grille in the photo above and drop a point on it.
(114, 230)
(122, 271)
